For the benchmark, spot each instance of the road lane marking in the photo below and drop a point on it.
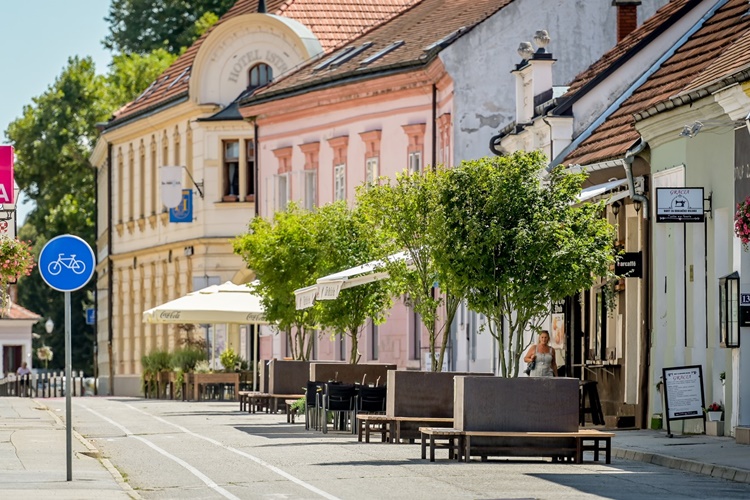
(197, 473)
(255, 459)
(211, 484)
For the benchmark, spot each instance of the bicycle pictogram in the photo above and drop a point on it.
(56, 266)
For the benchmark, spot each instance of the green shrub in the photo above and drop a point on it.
(229, 359)
(185, 358)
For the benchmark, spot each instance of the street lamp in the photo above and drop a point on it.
(49, 325)
(616, 208)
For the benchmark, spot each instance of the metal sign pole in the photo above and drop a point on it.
(62, 271)
(68, 409)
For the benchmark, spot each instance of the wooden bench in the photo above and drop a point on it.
(276, 399)
(565, 445)
(373, 422)
(450, 438)
(252, 401)
(426, 421)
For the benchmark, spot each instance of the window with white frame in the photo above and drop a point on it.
(259, 75)
(231, 173)
(339, 182)
(371, 171)
(311, 188)
(415, 162)
(416, 334)
(250, 170)
(282, 191)
(342, 347)
(374, 341)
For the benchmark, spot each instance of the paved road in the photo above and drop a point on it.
(211, 450)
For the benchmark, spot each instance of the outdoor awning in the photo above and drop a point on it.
(328, 287)
(600, 189)
(216, 304)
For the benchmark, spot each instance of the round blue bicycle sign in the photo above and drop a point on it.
(66, 263)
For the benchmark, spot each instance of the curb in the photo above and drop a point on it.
(718, 471)
(95, 454)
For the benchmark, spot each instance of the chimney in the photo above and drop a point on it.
(262, 7)
(533, 77)
(627, 17)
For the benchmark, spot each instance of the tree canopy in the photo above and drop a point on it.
(284, 256)
(142, 26)
(402, 211)
(514, 239)
(346, 239)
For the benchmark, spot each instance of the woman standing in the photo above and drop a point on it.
(544, 355)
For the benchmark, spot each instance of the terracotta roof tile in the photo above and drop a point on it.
(332, 21)
(426, 23)
(18, 312)
(698, 60)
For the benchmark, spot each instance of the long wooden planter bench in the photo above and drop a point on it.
(558, 445)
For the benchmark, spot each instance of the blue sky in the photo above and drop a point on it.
(36, 39)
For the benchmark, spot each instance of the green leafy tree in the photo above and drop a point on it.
(402, 211)
(514, 239)
(53, 139)
(142, 26)
(284, 255)
(345, 239)
(131, 74)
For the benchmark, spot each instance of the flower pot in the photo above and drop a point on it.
(714, 416)
(714, 428)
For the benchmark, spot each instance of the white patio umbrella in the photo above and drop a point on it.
(225, 303)
(222, 304)
(328, 287)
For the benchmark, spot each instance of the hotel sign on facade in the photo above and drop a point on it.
(675, 204)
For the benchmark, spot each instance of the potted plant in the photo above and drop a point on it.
(714, 412)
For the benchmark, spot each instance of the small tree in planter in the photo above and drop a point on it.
(153, 364)
(230, 360)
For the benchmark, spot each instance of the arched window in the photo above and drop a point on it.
(259, 75)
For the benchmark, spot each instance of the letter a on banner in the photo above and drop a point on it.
(171, 185)
(6, 175)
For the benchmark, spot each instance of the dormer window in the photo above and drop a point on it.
(259, 75)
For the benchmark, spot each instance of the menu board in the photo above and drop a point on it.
(683, 394)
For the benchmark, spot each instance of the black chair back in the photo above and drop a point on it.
(313, 389)
(371, 399)
(340, 397)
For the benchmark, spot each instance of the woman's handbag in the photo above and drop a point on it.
(530, 367)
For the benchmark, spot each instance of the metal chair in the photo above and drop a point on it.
(313, 397)
(371, 399)
(339, 399)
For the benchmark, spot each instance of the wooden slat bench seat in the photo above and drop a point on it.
(253, 401)
(278, 399)
(558, 445)
(416, 422)
(390, 427)
(374, 422)
(442, 437)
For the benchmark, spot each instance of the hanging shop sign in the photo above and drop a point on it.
(679, 204)
(629, 265)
